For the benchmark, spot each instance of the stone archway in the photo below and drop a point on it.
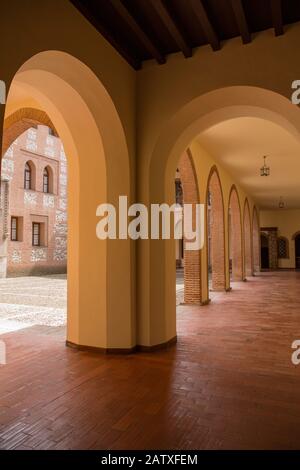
(235, 235)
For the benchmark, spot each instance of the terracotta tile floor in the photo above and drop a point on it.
(229, 382)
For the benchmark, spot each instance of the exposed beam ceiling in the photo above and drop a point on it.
(140, 33)
(200, 13)
(153, 29)
(276, 8)
(172, 27)
(239, 13)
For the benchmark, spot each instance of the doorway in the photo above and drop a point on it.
(297, 251)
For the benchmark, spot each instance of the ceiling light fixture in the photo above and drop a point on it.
(265, 170)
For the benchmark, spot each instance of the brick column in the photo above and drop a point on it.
(247, 241)
(4, 201)
(217, 232)
(192, 259)
(235, 233)
(256, 242)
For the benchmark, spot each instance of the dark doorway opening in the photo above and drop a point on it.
(297, 251)
(264, 247)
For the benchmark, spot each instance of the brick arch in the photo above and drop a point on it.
(255, 240)
(192, 259)
(216, 229)
(21, 120)
(235, 234)
(248, 271)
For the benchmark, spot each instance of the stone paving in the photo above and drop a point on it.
(34, 300)
(42, 300)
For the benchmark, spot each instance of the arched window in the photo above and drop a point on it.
(46, 188)
(283, 247)
(27, 177)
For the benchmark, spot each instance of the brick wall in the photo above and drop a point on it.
(42, 150)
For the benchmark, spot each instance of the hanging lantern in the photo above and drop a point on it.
(265, 170)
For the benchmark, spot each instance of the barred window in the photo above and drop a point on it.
(27, 176)
(283, 247)
(14, 229)
(36, 234)
(46, 181)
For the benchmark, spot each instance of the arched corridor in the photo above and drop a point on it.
(159, 105)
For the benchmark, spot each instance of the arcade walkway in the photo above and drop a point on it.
(229, 382)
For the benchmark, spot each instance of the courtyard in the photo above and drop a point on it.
(33, 301)
(42, 301)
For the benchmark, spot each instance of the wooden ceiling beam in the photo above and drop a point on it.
(172, 27)
(277, 17)
(240, 17)
(139, 32)
(200, 13)
(123, 51)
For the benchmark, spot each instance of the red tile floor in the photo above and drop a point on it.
(228, 383)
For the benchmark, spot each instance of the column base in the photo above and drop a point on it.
(134, 349)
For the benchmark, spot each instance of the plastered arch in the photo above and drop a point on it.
(157, 166)
(84, 115)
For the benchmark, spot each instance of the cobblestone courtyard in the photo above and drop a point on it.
(34, 300)
(41, 300)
